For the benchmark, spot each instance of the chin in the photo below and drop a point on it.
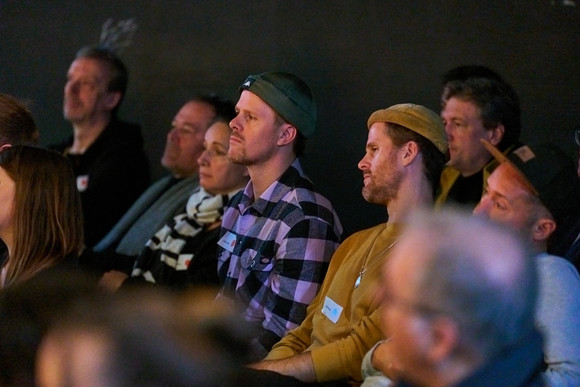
(208, 189)
(236, 159)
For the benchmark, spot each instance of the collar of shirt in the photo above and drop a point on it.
(292, 177)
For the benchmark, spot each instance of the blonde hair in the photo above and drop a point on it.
(48, 223)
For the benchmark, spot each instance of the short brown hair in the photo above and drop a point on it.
(433, 159)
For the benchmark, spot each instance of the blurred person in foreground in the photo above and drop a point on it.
(144, 338)
(458, 300)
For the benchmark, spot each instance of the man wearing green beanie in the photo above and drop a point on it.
(279, 233)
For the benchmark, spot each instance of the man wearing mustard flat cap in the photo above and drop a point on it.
(405, 153)
(279, 233)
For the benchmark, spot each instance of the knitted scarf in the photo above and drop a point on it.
(163, 250)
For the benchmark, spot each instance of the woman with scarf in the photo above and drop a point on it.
(183, 252)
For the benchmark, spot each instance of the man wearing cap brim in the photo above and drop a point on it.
(534, 190)
(405, 154)
(279, 233)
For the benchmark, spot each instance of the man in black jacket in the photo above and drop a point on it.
(110, 165)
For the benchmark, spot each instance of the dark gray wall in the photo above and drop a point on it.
(357, 56)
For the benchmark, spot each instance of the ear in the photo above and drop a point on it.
(542, 229)
(287, 134)
(112, 99)
(410, 151)
(5, 146)
(495, 135)
(444, 337)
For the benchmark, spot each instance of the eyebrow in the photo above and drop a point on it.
(247, 109)
(497, 195)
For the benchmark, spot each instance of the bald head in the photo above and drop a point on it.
(475, 274)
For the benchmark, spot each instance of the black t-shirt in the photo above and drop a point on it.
(467, 191)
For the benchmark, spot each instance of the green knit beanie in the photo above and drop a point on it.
(288, 95)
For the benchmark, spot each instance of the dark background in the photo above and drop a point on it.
(357, 56)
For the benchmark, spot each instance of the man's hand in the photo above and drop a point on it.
(299, 366)
(384, 360)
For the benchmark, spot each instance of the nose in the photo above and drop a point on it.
(482, 208)
(448, 130)
(234, 124)
(203, 159)
(71, 87)
(172, 135)
(363, 164)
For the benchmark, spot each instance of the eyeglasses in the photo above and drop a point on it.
(577, 135)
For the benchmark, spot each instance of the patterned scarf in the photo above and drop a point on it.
(163, 250)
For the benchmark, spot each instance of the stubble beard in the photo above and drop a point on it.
(239, 156)
(383, 192)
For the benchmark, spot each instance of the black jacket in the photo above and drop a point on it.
(110, 175)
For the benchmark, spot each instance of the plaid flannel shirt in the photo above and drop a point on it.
(274, 253)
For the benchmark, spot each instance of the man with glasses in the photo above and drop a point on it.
(458, 298)
(167, 197)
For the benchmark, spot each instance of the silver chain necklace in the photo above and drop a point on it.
(364, 268)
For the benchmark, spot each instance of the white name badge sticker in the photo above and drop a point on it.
(331, 310)
(228, 241)
(82, 183)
